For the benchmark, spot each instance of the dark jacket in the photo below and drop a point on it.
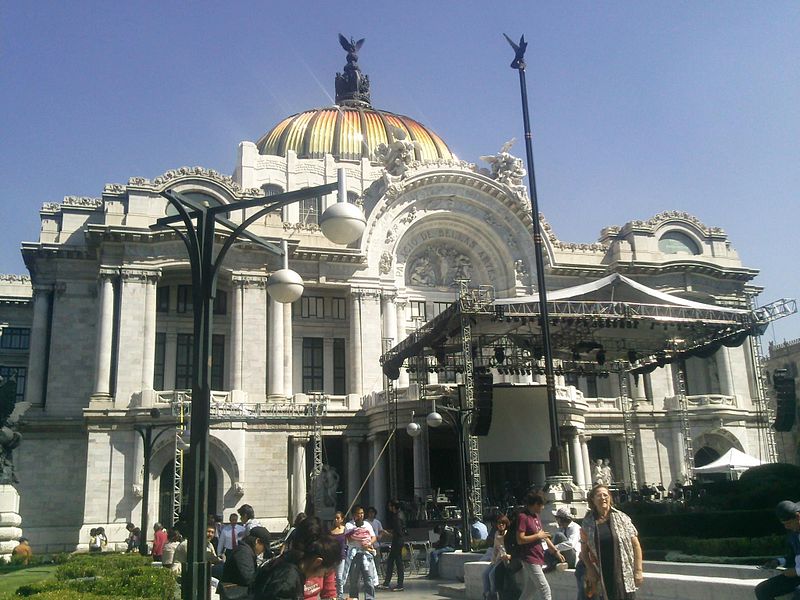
(280, 579)
(793, 541)
(240, 568)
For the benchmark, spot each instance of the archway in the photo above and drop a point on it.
(165, 487)
(705, 456)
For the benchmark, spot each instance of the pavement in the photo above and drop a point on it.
(417, 587)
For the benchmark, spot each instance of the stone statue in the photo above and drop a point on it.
(10, 438)
(597, 472)
(397, 157)
(608, 476)
(329, 485)
(507, 169)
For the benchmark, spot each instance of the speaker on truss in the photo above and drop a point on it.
(482, 403)
(786, 400)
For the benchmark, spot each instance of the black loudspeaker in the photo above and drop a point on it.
(482, 403)
(786, 400)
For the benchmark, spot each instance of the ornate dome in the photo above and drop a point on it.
(351, 129)
(348, 133)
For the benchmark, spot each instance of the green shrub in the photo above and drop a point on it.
(720, 547)
(73, 595)
(718, 524)
(716, 560)
(92, 565)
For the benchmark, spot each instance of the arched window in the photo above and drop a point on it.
(677, 242)
(310, 210)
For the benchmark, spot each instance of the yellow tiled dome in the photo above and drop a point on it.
(348, 133)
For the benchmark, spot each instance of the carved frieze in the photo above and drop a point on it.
(438, 266)
(82, 201)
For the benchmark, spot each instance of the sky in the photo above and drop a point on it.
(637, 107)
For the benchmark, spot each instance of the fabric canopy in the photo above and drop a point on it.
(618, 288)
(732, 461)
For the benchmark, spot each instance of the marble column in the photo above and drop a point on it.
(105, 328)
(237, 332)
(724, 372)
(587, 465)
(389, 313)
(356, 375)
(377, 487)
(353, 444)
(275, 349)
(299, 475)
(577, 461)
(149, 351)
(37, 361)
(400, 306)
(539, 475)
(288, 346)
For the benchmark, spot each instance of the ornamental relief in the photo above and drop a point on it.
(438, 266)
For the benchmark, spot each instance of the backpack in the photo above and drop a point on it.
(513, 548)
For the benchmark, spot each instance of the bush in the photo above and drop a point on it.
(106, 576)
(769, 546)
(719, 524)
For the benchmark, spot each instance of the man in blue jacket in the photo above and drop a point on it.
(788, 513)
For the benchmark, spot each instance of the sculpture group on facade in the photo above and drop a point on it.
(601, 472)
(397, 156)
(10, 438)
(439, 266)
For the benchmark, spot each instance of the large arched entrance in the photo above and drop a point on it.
(165, 515)
(705, 456)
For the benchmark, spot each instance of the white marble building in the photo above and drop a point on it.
(102, 329)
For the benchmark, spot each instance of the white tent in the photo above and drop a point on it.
(733, 461)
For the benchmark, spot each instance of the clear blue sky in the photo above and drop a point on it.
(638, 107)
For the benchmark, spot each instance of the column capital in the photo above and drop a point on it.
(389, 296)
(248, 280)
(299, 440)
(140, 275)
(366, 293)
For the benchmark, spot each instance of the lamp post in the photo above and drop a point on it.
(555, 458)
(148, 442)
(458, 422)
(341, 224)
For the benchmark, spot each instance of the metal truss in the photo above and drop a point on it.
(469, 299)
(182, 413)
(390, 393)
(629, 432)
(683, 413)
(776, 310)
(620, 310)
(764, 413)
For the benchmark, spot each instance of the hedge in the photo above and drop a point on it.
(770, 546)
(106, 576)
(719, 524)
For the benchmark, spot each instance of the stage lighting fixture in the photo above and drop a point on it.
(499, 354)
(632, 356)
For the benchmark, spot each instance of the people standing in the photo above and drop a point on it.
(360, 564)
(610, 549)
(338, 533)
(230, 536)
(530, 536)
(788, 513)
(159, 540)
(247, 516)
(397, 533)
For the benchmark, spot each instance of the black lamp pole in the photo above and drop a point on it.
(199, 219)
(148, 442)
(555, 443)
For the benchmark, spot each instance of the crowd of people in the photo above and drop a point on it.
(604, 551)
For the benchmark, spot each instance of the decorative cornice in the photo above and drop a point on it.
(570, 246)
(367, 293)
(294, 227)
(12, 278)
(652, 224)
(83, 201)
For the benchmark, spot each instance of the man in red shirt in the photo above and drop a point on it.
(531, 537)
(159, 539)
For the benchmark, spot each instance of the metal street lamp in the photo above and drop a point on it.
(148, 442)
(200, 220)
(555, 457)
